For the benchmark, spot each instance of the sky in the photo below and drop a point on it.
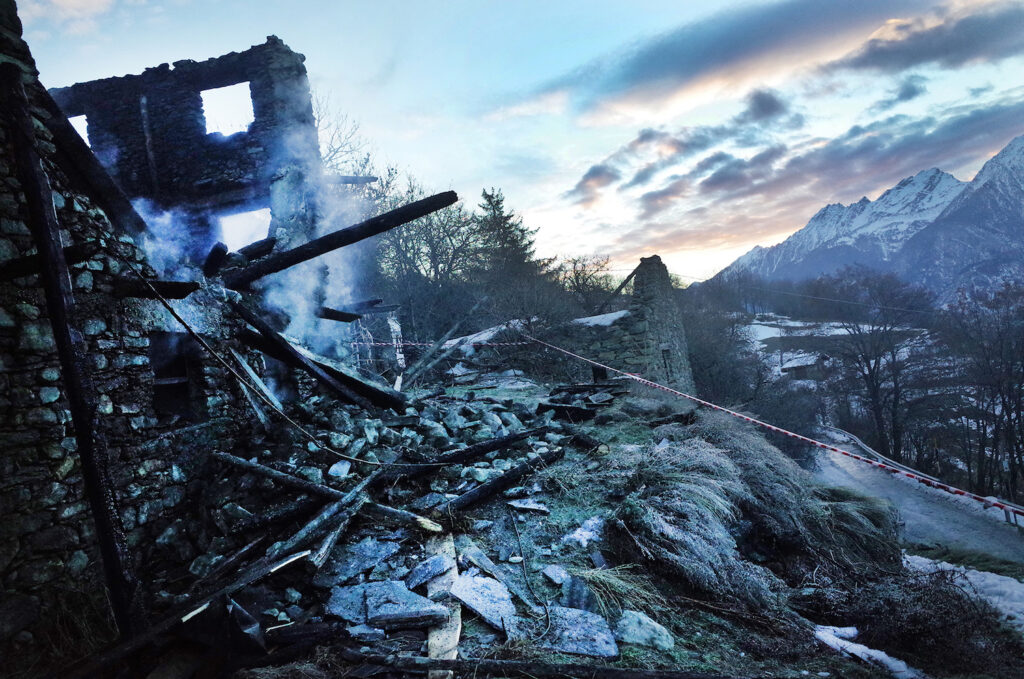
(690, 130)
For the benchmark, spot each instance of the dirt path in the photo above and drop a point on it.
(928, 516)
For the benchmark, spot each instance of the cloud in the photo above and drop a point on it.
(764, 109)
(73, 16)
(762, 105)
(869, 158)
(654, 202)
(729, 45)
(988, 33)
(588, 189)
(911, 87)
(726, 202)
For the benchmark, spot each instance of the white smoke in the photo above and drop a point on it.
(167, 242)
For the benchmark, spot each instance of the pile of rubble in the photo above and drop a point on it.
(367, 534)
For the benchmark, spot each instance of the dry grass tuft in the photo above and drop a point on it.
(620, 588)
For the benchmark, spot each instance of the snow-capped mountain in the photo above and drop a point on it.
(932, 228)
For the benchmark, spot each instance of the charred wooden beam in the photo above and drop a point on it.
(257, 249)
(83, 168)
(380, 511)
(365, 305)
(615, 293)
(29, 265)
(95, 665)
(462, 455)
(427, 360)
(285, 352)
(215, 259)
(376, 394)
(337, 315)
(332, 241)
(72, 352)
(136, 287)
(496, 485)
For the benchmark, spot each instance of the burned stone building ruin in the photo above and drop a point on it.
(141, 446)
(150, 132)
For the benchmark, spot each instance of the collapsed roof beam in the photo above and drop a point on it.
(337, 315)
(280, 261)
(376, 394)
(257, 249)
(277, 346)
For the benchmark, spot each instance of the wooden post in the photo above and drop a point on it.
(72, 353)
(338, 239)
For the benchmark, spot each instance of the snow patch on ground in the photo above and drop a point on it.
(1006, 594)
(603, 320)
(839, 638)
(466, 342)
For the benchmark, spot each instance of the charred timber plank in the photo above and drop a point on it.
(29, 265)
(72, 352)
(622, 286)
(332, 241)
(215, 259)
(375, 394)
(401, 517)
(255, 379)
(496, 485)
(135, 287)
(480, 667)
(76, 158)
(257, 249)
(94, 665)
(338, 315)
(338, 513)
(384, 512)
(288, 354)
(463, 455)
(281, 477)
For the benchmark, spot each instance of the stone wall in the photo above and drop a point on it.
(46, 536)
(646, 338)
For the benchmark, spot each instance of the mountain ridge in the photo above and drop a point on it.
(931, 228)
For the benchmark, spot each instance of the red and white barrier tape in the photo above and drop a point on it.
(427, 344)
(881, 465)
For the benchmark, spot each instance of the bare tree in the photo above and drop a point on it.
(341, 144)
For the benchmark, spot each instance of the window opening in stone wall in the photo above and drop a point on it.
(177, 377)
(80, 123)
(240, 229)
(228, 110)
